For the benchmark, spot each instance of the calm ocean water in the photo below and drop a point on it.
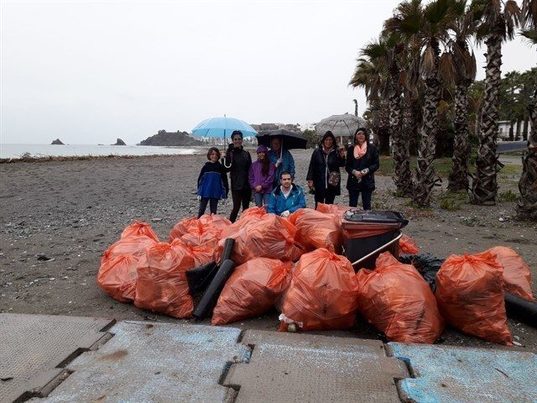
(74, 150)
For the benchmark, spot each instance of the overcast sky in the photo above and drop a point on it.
(88, 72)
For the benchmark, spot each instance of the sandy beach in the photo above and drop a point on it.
(58, 217)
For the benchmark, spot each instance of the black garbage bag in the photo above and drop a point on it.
(426, 264)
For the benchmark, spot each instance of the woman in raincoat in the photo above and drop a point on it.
(324, 177)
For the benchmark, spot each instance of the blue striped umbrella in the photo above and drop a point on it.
(222, 127)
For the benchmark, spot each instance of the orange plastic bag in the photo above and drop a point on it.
(317, 230)
(136, 245)
(162, 285)
(516, 272)
(117, 276)
(469, 291)
(267, 236)
(336, 209)
(397, 301)
(197, 231)
(253, 212)
(408, 245)
(139, 228)
(251, 290)
(322, 293)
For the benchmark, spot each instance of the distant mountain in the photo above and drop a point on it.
(164, 138)
(57, 142)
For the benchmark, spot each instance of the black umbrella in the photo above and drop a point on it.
(290, 140)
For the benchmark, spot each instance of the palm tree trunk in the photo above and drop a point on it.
(426, 177)
(484, 185)
(458, 178)
(526, 207)
(400, 151)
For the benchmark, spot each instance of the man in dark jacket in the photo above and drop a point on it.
(237, 162)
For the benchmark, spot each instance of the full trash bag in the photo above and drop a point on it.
(139, 228)
(201, 235)
(117, 276)
(253, 212)
(408, 245)
(162, 285)
(266, 236)
(516, 272)
(251, 290)
(136, 245)
(315, 229)
(397, 301)
(322, 293)
(118, 272)
(469, 291)
(336, 209)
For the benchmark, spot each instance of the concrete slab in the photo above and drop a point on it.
(162, 362)
(458, 374)
(34, 349)
(299, 367)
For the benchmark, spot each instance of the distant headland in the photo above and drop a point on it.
(164, 138)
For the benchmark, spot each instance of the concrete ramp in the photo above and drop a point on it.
(34, 350)
(307, 368)
(157, 362)
(458, 374)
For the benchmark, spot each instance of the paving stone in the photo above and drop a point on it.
(458, 374)
(299, 367)
(162, 362)
(33, 348)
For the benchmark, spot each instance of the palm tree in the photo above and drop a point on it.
(460, 70)
(424, 28)
(370, 73)
(526, 207)
(397, 58)
(495, 25)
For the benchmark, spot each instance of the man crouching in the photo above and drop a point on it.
(286, 198)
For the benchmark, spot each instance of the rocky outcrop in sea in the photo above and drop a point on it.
(164, 138)
(57, 142)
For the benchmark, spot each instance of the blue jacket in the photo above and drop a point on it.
(278, 203)
(287, 165)
(212, 181)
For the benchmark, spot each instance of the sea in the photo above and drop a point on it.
(16, 151)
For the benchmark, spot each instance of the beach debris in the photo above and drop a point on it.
(43, 258)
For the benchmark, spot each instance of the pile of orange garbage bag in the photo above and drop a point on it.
(293, 264)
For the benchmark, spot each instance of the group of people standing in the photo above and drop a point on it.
(269, 179)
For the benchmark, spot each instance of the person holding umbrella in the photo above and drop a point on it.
(362, 162)
(281, 158)
(324, 177)
(237, 162)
